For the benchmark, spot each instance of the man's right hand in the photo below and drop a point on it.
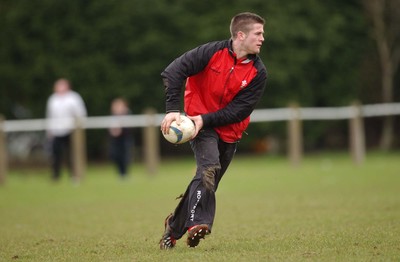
(168, 119)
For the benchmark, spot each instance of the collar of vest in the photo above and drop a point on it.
(248, 59)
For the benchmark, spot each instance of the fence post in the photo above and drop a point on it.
(151, 142)
(3, 152)
(78, 151)
(295, 140)
(357, 138)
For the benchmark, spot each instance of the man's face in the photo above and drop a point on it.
(61, 87)
(254, 39)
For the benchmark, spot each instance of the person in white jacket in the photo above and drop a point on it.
(64, 106)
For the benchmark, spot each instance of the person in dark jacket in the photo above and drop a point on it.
(120, 137)
(224, 82)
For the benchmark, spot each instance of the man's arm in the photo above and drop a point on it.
(188, 64)
(80, 109)
(175, 75)
(241, 106)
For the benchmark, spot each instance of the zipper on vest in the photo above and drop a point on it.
(226, 82)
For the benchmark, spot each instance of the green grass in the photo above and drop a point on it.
(325, 210)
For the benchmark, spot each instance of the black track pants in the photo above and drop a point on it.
(197, 205)
(60, 150)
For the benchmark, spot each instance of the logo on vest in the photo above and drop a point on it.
(244, 84)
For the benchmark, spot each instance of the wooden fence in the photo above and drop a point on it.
(150, 121)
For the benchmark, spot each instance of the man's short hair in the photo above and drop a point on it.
(243, 22)
(62, 80)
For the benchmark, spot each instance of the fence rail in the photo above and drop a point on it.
(150, 121)
(324, 113)
(258, 115)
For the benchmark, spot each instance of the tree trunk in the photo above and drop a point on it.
(386, 140)
(376, 9)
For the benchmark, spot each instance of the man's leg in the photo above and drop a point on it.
(67, 148)
(211, 173)
(226, 151)
(56, 157)
(213, 157)
(197, 205)
(119, 159)
(126, 157)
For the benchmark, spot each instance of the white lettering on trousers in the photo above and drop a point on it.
(193, 211)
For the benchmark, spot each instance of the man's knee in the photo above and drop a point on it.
(208, 177)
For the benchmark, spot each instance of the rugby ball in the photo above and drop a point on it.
(179, 134)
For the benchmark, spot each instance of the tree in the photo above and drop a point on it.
(385, 21)
(312, 51)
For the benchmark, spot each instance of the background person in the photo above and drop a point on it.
(120, 137)
(224, 82)
(64, 106)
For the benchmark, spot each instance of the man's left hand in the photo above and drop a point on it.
(198, 123)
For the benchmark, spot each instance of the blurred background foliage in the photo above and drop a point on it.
(318, 53)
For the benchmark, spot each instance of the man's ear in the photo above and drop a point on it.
(241, 35)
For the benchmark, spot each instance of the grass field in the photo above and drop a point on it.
(326, 210)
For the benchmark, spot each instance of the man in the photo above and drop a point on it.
(224, 82)
(64, 106)
(121, 140)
